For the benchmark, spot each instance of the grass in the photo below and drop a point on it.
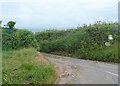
(0, 67)
(0, 55)
(21, 67)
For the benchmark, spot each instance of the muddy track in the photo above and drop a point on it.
(77, 71)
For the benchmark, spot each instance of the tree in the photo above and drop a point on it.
(0, 23)
(11, 24)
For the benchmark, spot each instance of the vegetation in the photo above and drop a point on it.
(19, 62)
(86, 42)
(18, 39)
(11, 24)
(0, 66)
(21, 67)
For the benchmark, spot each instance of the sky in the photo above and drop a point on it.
(39, 15)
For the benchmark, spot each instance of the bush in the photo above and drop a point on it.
(18, 39)
(87, 42)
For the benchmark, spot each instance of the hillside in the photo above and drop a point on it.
(86, 42)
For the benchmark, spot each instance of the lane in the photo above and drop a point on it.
(77, 71)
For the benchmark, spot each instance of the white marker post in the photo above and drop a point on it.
(110, 38)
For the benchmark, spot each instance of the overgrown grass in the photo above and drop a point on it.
(21, 67)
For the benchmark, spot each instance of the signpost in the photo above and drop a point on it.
(110, 38)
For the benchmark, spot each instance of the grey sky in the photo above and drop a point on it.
(38, 14)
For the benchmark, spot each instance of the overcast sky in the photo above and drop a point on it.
(39, 14)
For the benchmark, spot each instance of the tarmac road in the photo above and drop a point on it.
(77, 71)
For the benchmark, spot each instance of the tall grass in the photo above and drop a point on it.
(21, 67)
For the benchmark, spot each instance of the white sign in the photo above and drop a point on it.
(107, 43)
(110, 37)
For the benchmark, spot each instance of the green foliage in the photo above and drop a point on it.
(50, 35)
(0, 23)
(87, 42)
(18, 39)
(21, 67)
(11, 24)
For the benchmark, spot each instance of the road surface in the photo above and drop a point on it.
(77, 71)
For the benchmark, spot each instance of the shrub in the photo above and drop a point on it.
(87, 42)
(18, 39)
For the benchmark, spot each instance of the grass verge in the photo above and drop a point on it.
(21, 67)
